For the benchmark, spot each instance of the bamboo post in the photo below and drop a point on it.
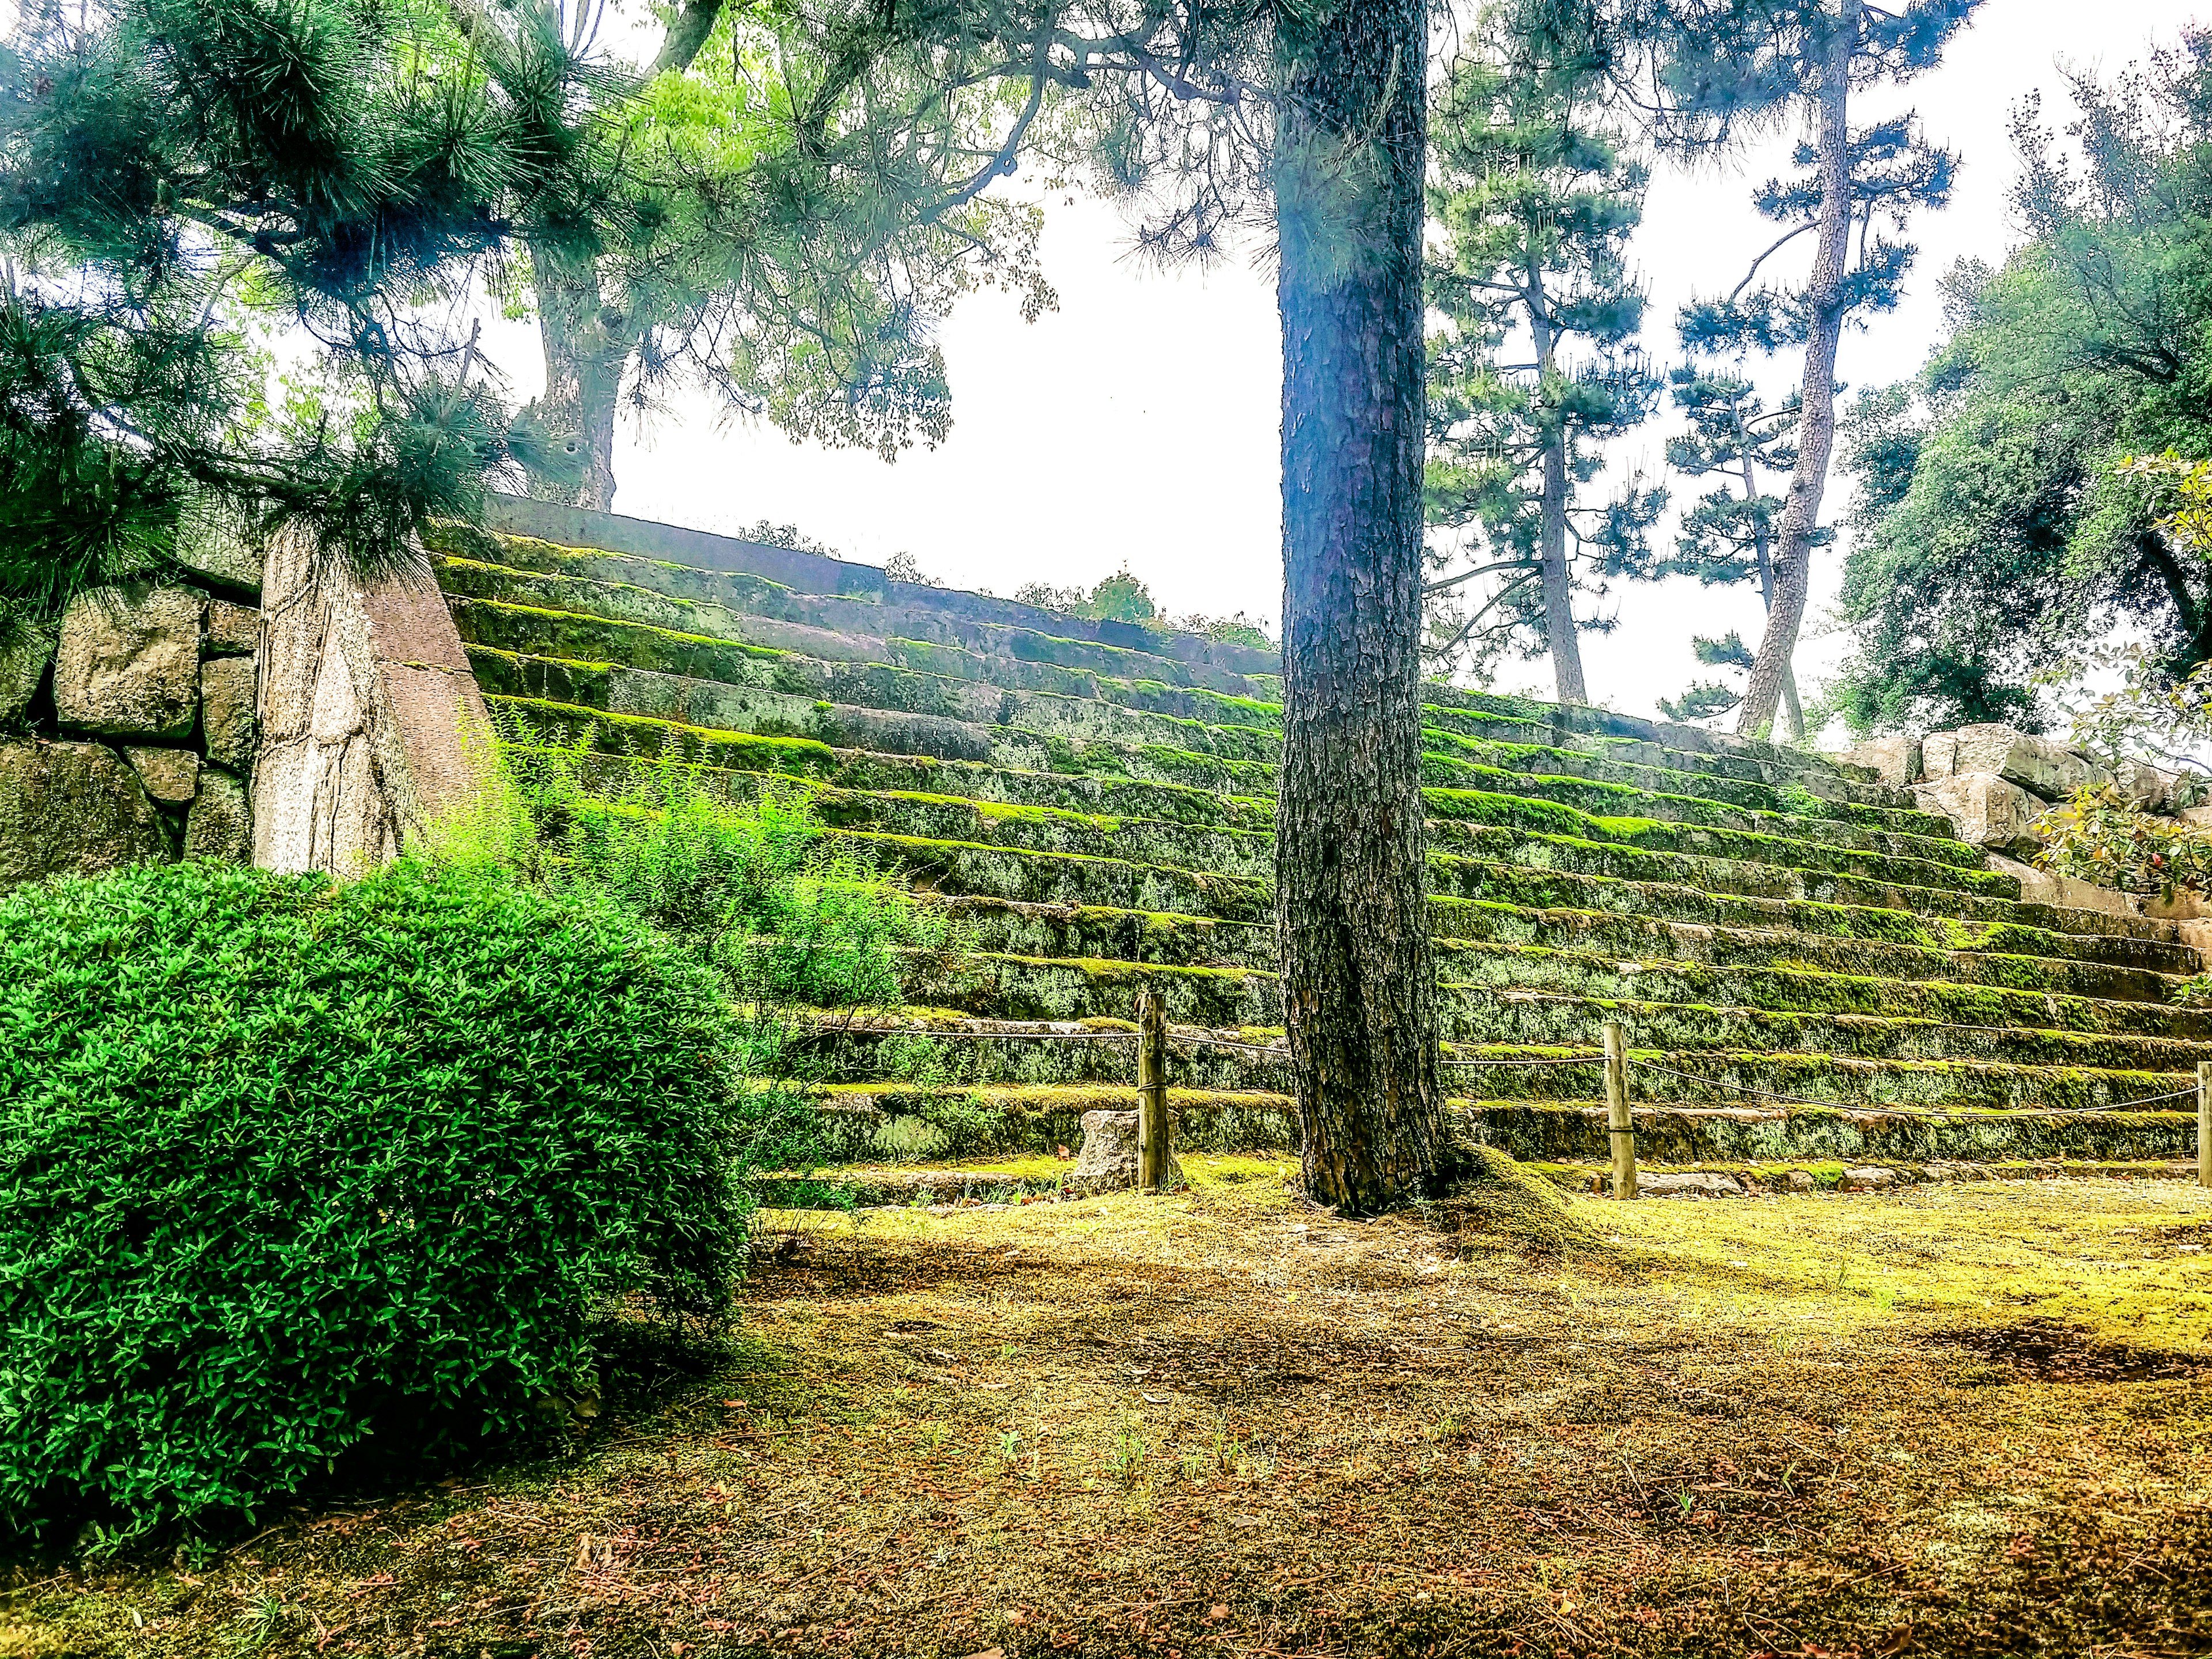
(1151, 1093)
(1620, 1126)
(2204, 1122)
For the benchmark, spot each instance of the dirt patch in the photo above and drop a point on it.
(2040, 1351)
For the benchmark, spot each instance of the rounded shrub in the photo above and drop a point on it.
(286, 1166)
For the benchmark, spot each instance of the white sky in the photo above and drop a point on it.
(1138, 424)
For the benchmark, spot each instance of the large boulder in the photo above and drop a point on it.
(2036, 764)
(226, 687)
(1893, 761)
(220, 827)
(1986, 810)
(129, 662)
(24, 653)
(72, 809)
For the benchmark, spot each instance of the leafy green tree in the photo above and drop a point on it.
(1727, 535)
(1996, 527)
(177, 178)
(1534, 199)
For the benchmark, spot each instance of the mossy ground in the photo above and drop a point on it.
(1961, 1420)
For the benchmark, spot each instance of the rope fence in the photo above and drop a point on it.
(1154, 1038)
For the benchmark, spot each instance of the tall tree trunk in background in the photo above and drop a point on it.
(584, 362)
(1793, 712)
(1350, 883)
(1552, 530)
(1816, 432)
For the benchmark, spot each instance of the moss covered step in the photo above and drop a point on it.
(899, 1119)
(1516, 867)
(1207, 847)
(1891, 945)
(1482, 1016)
(720, 604)
(979, 870)
(1542, 1131)
(1459, 817)
(1806, 990)
(980, 1052)
(1006, 986)
(1007, 928)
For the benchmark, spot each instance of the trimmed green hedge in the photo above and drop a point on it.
(284, 1166)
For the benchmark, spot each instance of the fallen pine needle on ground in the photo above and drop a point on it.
(1963, 1419)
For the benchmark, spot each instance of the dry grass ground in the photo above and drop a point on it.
(1957, 1419)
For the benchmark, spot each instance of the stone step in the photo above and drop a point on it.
(2018, 961)
(897, 1119)
(1501, 995)
(1100, 1051)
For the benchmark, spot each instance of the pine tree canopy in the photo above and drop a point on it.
(187, 185)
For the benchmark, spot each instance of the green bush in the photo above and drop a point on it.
(285, 1167)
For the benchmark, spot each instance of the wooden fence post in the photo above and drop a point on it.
(1620, 1126)
(1151, 1093)
(2204, 1122)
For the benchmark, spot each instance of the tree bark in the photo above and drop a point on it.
(1552, 525)
(1351, 882)
(1793, 712)
(1816, 431)
(584, 363)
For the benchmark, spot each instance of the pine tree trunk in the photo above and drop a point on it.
(1792, 711)
(1551, 524)
(1816, 431)
(1358, 971)
(584, 363)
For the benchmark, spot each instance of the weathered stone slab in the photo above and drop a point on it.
(72, 809)
(129, 662)
(24, 653)
(1688, 1183)
(2042, 887)
(2036, 764)
(169, 774)
(1986, 810)
(226, 717)
(371, 724)
(1894, 760)
(233, 630)
(220, 826)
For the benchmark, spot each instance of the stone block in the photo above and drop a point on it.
(220, 827)
(169, 774)
(24, 653)
(1985, 811)
(2036, 764)
(1895, 761)
(129, 662)
(73, 809)
(2065, 892)
(1108, 1158)
(226, 688)
(1688, 1183)
(233, 630)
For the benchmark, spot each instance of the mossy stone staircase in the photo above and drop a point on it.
(1093, 801)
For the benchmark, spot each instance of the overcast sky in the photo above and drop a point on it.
(1137, 425)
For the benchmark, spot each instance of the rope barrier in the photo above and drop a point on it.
(1875, 1106)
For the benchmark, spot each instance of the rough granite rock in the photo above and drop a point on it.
(1108, 1158)
(24, 653)
(73, 809)
(1688, 1183)
(1986, 810)
(1895, 761)
(129, 662)
(169, 774)
(2036, 764)
(227, 690)
(233, 630)
(2042, 887)
(220, 826)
